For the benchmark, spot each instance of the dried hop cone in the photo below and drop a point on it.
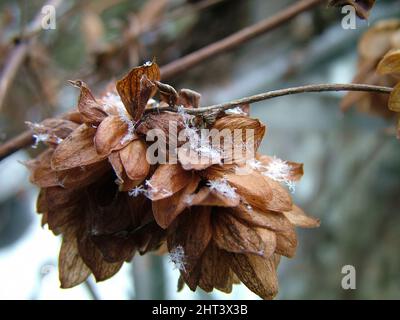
(378, 41)
(223, 213)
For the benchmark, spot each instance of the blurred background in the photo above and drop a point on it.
(352, 166)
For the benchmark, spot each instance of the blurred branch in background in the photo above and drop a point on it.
(18, 54)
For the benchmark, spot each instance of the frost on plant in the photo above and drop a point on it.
(279, 170)
(223, 187)
(177, 256)
(138, 190)
(235, 110)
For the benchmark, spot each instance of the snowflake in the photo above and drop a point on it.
(40, 137)
(131, 126)
(279, 170)
(112, 100)
(223, 187)
(235, 110)
(136, 191)
(177, 256)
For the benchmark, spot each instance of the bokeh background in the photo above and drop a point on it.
(352, 166)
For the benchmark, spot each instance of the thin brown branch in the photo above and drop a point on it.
(25, 139)
(18, 54)
(21, 141)
(236, 39)
(280, 93)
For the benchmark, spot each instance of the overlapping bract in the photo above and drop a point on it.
(222, 222)
(379, 64)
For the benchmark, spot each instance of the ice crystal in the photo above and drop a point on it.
(177, 256)
(223, 187)
(235, 110)
(279, 170)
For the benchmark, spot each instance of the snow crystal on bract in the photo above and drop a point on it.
(131, 125)
(40, 137)
(177, 256)
(255, 164)
(223, 187)
(279, 170)
(136, 191)
(112, 100)
(235, 110)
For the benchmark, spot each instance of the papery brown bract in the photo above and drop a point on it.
(375, 44)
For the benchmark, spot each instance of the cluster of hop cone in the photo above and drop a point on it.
(219, 225)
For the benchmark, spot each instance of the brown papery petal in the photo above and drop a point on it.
(298, 218)
(167, 180)
(215, 270)
(76, 150)
(189, 98)
(91, 111)
(253, 188)
(376, 41)
(41, 173)
(390, 63)
(296, 168)
(61, 128)
(133, 158)
(242, 123)
(124, 182)
(192, 233)
(91, 255)
(281, 200)
(82, 176)
(394, 100)
(166, 210)
(286, 243)
(274, 221)
(136, 88)
(257, 273)
(190, 159)
(111, 135)
(232, 235)
(72, 269)
(207, 197)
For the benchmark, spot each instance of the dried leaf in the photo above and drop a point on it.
(134, 160)
(166, 210)
(189, 98)
(281, 200)
(394, 99)
(234, 236)
(286, 243)
(91, 255)
(167, 180)
(72, 269)
(191, 238)
(298, 218)
(112, 134)
(215, 270)
(207, 197)
(137, 87)
(257, 273)
(390, 63)
(91, 111)
(76, 150)
(167, 93)
(376, 42)
(274, 221)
